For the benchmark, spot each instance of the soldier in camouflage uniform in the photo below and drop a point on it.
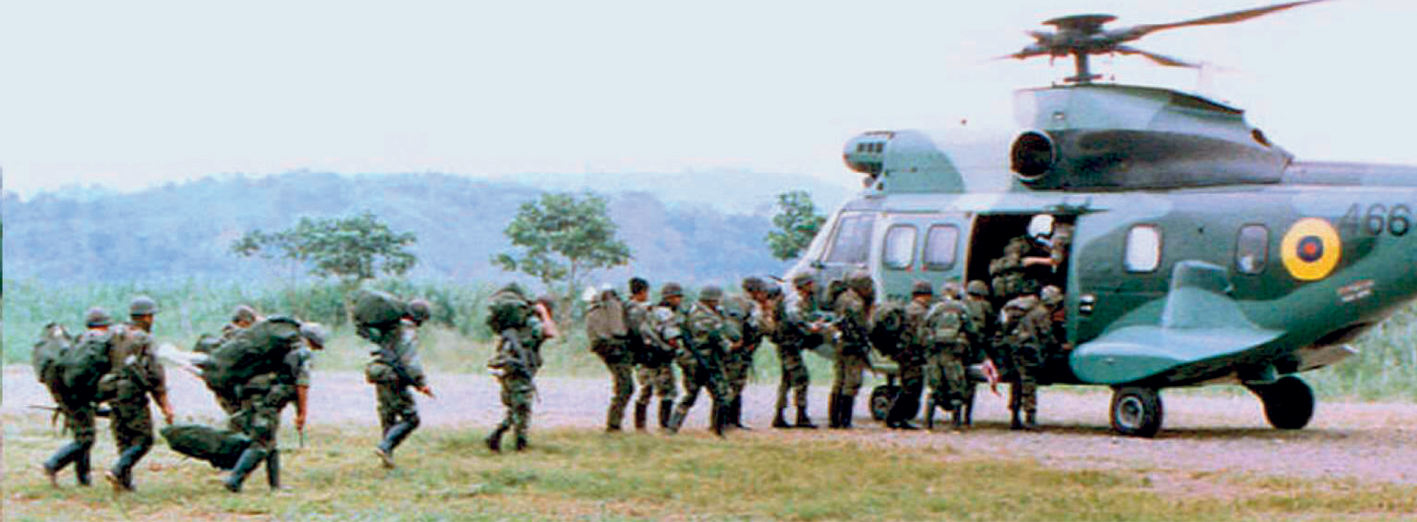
(853, 310)
(796, 328)
(79, 413)
(1020, 340)
(982, 317)
(395, 369)
(263, 397)
(661, 329)
(910, 358)
(515, 363)
(948, 330)
(1034, 338)
(701, 360)
(618, 354)
(753, 322)
(1007, 272)
(241, 318)
(135, 374)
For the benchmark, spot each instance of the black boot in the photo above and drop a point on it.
(957, 417)
(521, 443)
(494, 439)
(121, 476)
(803, 421)
(718, 418)
(737, 415)
(930, 414)
(848, 410)
(1014, 422)
(250, 458)
(1030, 419)
(779, 422)
(69, 453)
(392, 438)
(82, 466)
(273, 469)
(641, 415)
(675, 421)
(666, 410)
(834, 412)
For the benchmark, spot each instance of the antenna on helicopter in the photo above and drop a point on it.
(1083, 36)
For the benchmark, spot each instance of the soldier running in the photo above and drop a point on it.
(515, 363)
(263, 397)
(396, 368)
(79, 412)
(135, 374)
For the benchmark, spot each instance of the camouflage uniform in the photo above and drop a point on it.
(395, 372)
(1008, 272)
(1024, 338)
(79, 413)
(792, 335)
(745, 325)
(853, 347)
(619, 358)
(706, 344)
(136, 374)
(947, 331)
(515, 365)
(910, 358)
(655, 372)
(262, 398)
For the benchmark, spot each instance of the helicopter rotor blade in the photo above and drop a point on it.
(1139, 31)
(1160, 59)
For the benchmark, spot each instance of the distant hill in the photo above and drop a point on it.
(184, 230)
(752, 192)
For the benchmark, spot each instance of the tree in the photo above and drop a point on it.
(797, 222)
(561, 238)
(352, 248)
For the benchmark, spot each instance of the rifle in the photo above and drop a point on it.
(386, 353)
(521, 356)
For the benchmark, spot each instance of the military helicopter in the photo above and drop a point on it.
(1202, 253)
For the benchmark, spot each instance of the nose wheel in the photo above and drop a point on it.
(1136, 411)
(1288, 403)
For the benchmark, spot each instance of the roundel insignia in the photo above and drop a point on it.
(1311, 249)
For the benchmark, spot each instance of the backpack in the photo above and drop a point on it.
(605, 321)
(53, 341)
(257, 350)
(945, 323)
(378, 310)
(507, 309)
(221, 448)
(888, 331)
(74, 373)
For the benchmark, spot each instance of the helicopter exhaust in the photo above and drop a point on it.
(1033, 155)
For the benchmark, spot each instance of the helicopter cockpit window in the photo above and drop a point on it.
(1252, 249)
(852, 242)
(900, 247)
(1143, 248)
(941, 243)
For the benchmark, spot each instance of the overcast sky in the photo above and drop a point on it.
(136, 93)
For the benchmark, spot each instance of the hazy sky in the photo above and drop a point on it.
(134, 93)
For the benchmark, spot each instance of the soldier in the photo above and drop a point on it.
(1007, 271)
(981, 316)
(396, 368)
(853, 310)
(135, 374)
(515, 364)
(614, 349)
(659, 330)
(1020, 341)
(701, 360)
(948, 330)
(910, 357)
(1055, 239)
(241, 318)
(796, 329)
(1040, 334)
(754, 323)
(79, 412)
(263, 397)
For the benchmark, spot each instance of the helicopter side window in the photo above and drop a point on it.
(1143, 248)
(900, 247)
(941, 242)
(1252, 249)
(852, 242)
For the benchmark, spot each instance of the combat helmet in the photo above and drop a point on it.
(315, 334)
(711, 293)
(802, 279)
(97, 317)
(754, 284)
(243, 313)
(978, 288)
(143, 305)
(921, 288)
(671, 289)
(420, 310)
(952, 290)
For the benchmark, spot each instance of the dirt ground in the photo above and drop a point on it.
(1202, 435)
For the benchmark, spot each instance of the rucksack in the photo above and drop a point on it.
(221, 448)
(379, 310)
(53, 341)
(507, 309)
(888, 329)
(73, 375)
(605, 321)
(257, 350)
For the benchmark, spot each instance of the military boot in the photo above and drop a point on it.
(121, 476)
(641, 415)
(82, 465)
(803, 421)
(392, 438)
(1030, 419)
(848, 410)
(957, 417)
(736, 415)
(521, 443)
(1014, 422)
(250, 458)
(676, 420)
(718, 419)
(834, 412)
(494, 439)
(273, 469)
(67, 454)
(779, 422)
(666, 410)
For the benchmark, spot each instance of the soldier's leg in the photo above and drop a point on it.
(521, 413)
(955, 379)
(1028, 396)
(692, 384)
(132, 425)
(667, 391)
(622, 378)
(79, 421)
(261, 426)
(404, 411)
(644, 376)
(494, 439)
(907, 403)
(856, 367)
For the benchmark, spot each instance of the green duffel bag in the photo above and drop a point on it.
(221, 448)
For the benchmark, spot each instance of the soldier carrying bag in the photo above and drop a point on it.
(605, 323)
(221, 448)
(254, 351)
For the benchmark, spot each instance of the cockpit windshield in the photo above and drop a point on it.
(852, 240)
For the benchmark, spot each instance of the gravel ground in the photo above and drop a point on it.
(1202, 435)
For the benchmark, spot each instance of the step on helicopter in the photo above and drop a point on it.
(1201, 253)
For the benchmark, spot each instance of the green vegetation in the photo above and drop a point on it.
(561, 238)
(352, 248)
(448, 475)
(797, 222)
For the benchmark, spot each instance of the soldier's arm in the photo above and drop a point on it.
(156, 378)
(410, 361)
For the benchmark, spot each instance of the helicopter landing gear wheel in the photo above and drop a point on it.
(1136, 411)
(1288, 403)
(881, 399)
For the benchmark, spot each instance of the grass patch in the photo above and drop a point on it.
(582, 475)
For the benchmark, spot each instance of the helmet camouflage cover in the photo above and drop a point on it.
(142, 305)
